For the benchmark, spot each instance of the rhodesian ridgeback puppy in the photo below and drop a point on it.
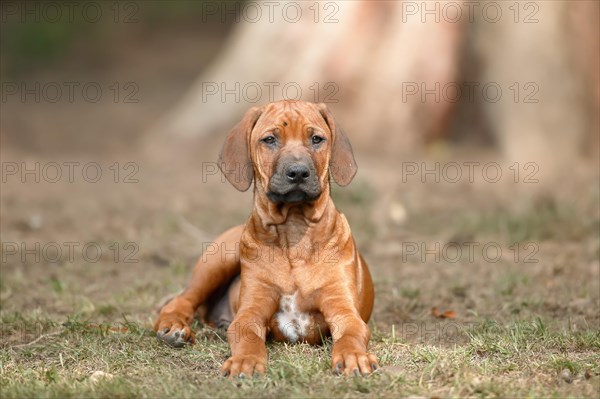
(293, 271)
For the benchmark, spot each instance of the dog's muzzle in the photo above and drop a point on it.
(294, 182)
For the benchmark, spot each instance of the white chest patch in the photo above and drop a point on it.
(292, 323)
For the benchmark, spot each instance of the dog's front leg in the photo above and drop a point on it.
(248, 332)
(217, 265)
(350, 337)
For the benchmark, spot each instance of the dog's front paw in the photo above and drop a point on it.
(174, 331)
(244, 366)
(354, 363)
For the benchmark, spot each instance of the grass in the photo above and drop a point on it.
(77, 330)
(521, 358)
(545, 219)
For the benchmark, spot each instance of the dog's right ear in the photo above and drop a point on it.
(234, 160)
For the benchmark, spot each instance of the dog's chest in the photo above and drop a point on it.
(293, 323)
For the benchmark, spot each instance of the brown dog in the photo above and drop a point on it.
(292, 271)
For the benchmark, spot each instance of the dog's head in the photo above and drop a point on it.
(289, 148)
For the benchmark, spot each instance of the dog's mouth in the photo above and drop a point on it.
(294, 196)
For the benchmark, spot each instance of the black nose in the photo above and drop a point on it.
(297, 173)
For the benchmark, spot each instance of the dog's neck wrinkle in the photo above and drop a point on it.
(286, 224)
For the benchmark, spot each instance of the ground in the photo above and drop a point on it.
(521, 324)
(460, 309)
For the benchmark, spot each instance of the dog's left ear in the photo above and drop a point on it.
(342, 164)
(234, 160)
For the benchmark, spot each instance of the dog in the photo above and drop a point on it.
(292, 272)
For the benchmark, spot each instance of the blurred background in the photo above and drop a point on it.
(471, 121)
(520, 78)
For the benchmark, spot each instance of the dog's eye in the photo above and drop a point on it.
(317, 139)
(269, 139)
